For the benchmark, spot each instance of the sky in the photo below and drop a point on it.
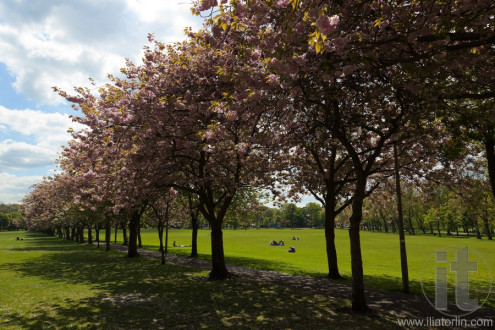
(63, 43)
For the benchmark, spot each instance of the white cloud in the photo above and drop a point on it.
(13, 188)
(48, 130)
(47, 43)
(21, 155)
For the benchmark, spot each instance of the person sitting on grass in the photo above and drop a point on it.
(281, 243)
(293, 237)
(181, 245)
(273, 243)
(292, 249)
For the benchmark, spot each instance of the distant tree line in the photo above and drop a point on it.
(11, 217)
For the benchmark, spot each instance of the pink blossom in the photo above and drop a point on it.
(232, 115)
(74, 99)
(180, 105)
(149, 56)
(272, 79)
(375, 5)
(173, 191)
(209, 135)
(242, 148)
(256, 54)
(207, 4)
(313, 12)
(339, 44)
(348, 70)
(384, 24)
(217, 31)
(327, 24)
(283, 3)
(290, 68)
(300, 60)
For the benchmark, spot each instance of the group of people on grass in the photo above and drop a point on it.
(281, 243)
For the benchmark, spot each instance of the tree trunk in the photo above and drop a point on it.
(140, 241)
(115, 235)
(385, 226)
(219, 269)
(90, 235)
(477, 227)
(167, 223)
(67, 233)
(124, 234)
(163, 253)
(485, 220)
(160, 234)
(133, 233)
(333, 267)
(400, 223)
(487, 229)
(438, 228)
(97, 230)
(108, 235)
(358, 298)
(81, 234)
(490, 157)
(73, 233)
(194, 239)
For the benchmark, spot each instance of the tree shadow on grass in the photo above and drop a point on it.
(139, 293)
(391, 298)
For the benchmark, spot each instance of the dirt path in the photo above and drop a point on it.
(398, 304)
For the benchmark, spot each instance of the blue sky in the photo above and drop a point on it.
(45, 43)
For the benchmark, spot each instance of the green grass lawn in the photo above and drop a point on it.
(381, 261)
(49, 283)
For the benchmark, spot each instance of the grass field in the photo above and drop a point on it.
(49, 283)
(381, 261)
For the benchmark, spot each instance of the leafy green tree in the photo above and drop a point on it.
(313, 214)
(4, 221)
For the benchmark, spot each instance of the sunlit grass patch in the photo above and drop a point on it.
(381, 260)
(52, 283)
